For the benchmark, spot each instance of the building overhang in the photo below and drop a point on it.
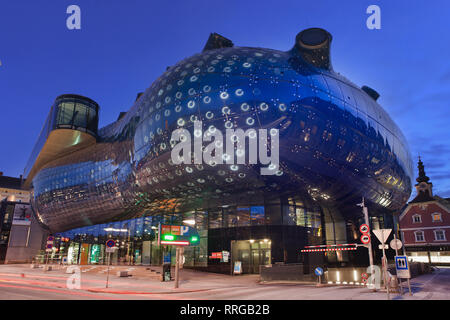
(60, 142)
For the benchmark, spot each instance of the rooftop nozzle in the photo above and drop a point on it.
(314, 46)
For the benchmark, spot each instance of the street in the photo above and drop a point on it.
(20, 282)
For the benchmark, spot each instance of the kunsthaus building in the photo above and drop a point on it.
(336, 146)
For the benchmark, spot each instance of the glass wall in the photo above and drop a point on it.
(76, 113)
(68, 111)
(137, 238)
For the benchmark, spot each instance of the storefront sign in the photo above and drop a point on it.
(237, 267)
(216, 255)
(225, 256)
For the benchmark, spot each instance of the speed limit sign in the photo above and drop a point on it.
(364, 228)
(365, 239)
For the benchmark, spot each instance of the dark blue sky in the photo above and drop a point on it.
(123, 46)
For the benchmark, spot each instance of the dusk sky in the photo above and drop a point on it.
(123, 46)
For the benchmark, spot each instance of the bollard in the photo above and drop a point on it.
(394, 284)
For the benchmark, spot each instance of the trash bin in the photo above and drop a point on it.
(166, 276)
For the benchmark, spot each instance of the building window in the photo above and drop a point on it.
(439, 235)
(436, 217)
(420, 237)
(417, 218)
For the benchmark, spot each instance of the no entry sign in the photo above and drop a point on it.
(365, 239)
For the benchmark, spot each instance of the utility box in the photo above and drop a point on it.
(166, 275)
(123, 273)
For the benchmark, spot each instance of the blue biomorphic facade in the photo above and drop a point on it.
(336, 145)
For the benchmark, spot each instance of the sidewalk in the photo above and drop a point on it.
(140, 281)
(202, 285)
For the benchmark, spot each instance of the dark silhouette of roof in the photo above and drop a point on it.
(10, 182)
(216, 41)
(422, 197)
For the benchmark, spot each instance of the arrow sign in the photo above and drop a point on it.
(382, 234)
(318, 271)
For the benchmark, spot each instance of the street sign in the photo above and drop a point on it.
(364, 228)
(167, 258)
(382, 234)
(50, 238)
(318, 271)
(365, 239)
(178, 235)
(110, 243)
(396, 244)
(380, 246)
(111, 249)
(402, 267)
(49, 246)
(364, 277)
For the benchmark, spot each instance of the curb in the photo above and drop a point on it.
(143, 292)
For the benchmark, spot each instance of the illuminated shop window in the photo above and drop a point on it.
(215, 219)
(301, 217)
(243, 214)
(257, 215)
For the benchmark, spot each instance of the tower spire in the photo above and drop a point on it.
(422, 176)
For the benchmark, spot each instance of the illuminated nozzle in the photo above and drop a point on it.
(314, 47)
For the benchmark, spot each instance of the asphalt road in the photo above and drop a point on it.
(38, 285)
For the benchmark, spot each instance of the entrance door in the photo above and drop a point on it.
(256, 259)
(252, 254)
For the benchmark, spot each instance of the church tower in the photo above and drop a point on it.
(424, 187)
